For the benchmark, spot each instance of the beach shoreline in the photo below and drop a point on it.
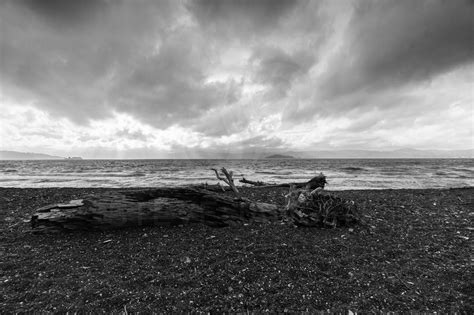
(411, 253)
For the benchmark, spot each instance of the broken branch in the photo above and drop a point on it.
(228, 179)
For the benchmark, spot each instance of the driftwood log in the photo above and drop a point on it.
(185, 205)
(160, 206)
(313, 183)
(254, 183)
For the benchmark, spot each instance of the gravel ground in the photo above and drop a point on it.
(411, 253)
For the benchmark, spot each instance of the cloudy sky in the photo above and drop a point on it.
(128, 79)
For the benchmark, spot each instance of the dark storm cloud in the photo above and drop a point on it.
(65, 12)
(240, 17)
(88, 59)
(170, 86)
(278, 68)
(390, 43)
(219, 67)
(133, 59)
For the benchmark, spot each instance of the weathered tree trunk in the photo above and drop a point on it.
(313, 183)
(160, 206)
(184, 205)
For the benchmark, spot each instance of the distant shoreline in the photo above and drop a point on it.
(230, 159)
(278, 156)
(341, 154)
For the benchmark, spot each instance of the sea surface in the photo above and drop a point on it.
(342, 174)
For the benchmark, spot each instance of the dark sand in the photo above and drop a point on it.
(412, 254)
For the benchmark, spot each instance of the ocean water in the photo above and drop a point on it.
(341, 174)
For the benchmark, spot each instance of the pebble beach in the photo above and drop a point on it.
(410, 253)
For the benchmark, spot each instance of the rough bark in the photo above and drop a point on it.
(160, 206)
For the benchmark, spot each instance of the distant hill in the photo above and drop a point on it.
(396, 154)
(279, 156)
(14, 155)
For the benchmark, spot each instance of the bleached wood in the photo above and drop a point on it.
(228, 179)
